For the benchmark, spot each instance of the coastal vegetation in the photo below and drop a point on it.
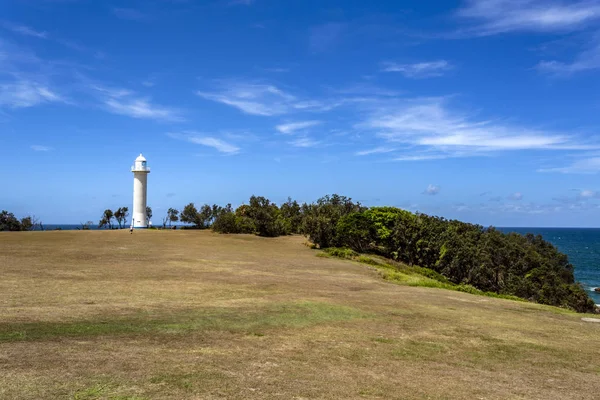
(455, 254)
(8, 222)
(466, 256)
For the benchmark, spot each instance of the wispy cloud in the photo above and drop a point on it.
(588, 59)
(324, 37)
(142, 108)
(500, 16)
(26, 93)
(261, 99)
(305, 142)
(208, 141)
(517, 196)
(24, 30)
(418, 70)
(432, 190)
(111, 91)
(435, 131)
(588, 194)
(376, 150)
(129, 14)
(293, 127)
(40, 148)
(275, 69)
(125, 102)
(585, 165)
(254, 99)
(422, 157)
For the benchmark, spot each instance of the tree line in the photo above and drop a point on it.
(120, 217)
(8, 222)
(525, 266)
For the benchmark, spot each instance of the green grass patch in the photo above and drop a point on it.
(103, 391)
(414, 350)
(287, 315)
(411, 276)
(191, 381)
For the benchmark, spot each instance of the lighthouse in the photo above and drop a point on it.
(140, 171)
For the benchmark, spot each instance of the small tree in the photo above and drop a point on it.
(27, 223)
(106, 219)
(206, 216)
(87, 225)
(292, 215)
(172, 216)
(148, 214)
(190, 215)
(8, 222)
(266, 216)
(121, 216)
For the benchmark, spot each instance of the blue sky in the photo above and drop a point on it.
(481, 110)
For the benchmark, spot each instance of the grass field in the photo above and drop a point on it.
(196, 315)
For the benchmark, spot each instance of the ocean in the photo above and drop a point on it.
(581, 245)
(583, 248)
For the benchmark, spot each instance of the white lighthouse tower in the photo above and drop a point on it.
(140, 171)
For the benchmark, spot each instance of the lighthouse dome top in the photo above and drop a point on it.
(140, 165)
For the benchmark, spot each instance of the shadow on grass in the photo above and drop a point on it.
(240, 320)
(423, 277)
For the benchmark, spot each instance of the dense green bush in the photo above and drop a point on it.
(449, 252)
(320, 219)
(8, 222)
(465, 254)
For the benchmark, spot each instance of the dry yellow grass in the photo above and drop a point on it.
(195, 315)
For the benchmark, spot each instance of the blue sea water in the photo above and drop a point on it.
(583, 248)
(581, 245)
(67, 227)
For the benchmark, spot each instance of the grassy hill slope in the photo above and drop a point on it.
(192, 314)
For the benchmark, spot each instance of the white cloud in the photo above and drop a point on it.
(500, 16)
(275, 69)
(217, 144)
(422, 157)
(24, 30)
(432, 190)
(112, 92)
(438, 132)
(418, 70)
(142, 108)
(253, 99)
(261, 99)
(292, 127)
(125, 102)
(305, 142)
(588, 194)
(40, 148)
(518, 196)
(25, 93)
(590, 165)
(376, 150)
(585, 61)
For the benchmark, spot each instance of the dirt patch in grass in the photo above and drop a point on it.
(188, 315)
